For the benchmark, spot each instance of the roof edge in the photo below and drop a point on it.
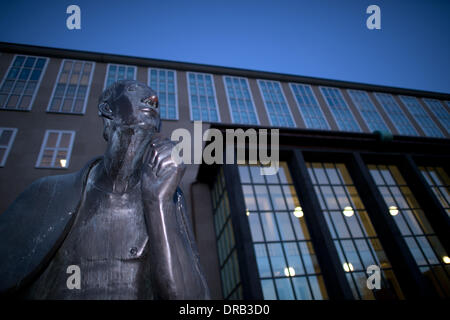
(189, 66)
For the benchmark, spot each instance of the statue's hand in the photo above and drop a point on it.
(161, 174)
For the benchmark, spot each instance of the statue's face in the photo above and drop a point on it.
(130, 103)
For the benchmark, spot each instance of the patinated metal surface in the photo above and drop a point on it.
(128, 233)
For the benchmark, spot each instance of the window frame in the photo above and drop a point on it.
(251, 99)
(118, 65)
(10, 144)
(177, 115)
(394, 121)
(445, 125)
(88, 89)
(44, 144)
(363, 116)
(215, 97)
(38, 83)
(417, 119)
(291, 84)
(321, 88)
(285, 100)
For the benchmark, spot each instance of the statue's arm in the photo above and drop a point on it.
(175, 266)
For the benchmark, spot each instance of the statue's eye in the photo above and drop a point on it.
(132, 88)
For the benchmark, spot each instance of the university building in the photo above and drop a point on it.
(363, 178)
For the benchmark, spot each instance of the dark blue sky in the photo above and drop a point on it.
(319, 38)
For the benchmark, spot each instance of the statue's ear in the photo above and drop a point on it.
(106, 127)
(105, 110)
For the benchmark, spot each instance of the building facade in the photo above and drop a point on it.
(363, 178)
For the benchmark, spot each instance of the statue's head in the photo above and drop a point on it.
(129, 104)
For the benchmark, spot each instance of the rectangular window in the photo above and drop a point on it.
(368, 110)
(20, 84)
(56, 149)
(71, 90)
(202, 97)
(275, 102)
(164, 83)
(340, 109)
(309, 107)
(226, 244)
(395, 113)
(240, 100)
(415, 228)
(439, 183)
(7, 136)
(119, 72)
(421, 116)
(352, 231)
(440, 112)
(287, 263)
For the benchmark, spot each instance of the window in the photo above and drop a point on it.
(351, 230)
(7, 136)
(398, 118)
(164, 82)
(275, 103)
(226, 245)
(340, 110)
(439, 183)
(20, 84)
(72, 87)
(440, 112)
(421, 116)
(119, 72)
(56, 149)
(309, 107)
(368, 110)
(240, 100)
(417, 232)
(287, 264)
(202, 97)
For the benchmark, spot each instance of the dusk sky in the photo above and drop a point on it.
(318, 38)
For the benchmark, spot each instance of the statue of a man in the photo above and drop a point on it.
(116, 229)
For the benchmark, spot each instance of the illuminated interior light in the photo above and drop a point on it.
(446, 259)
(247, 212)
(298, 212)
(63, 162)
(393, 210)
(348, 211)
(348, 267)
(289, 272)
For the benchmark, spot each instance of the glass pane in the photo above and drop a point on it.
(268, 290)
(61, 159)
(25, 102)
(284, 289)
(277, 259)
(270, 229)
(262, 260)
(47, 157)
(263, 198)
(65, 140)
(255, 227)
(301, 288)
(284, 224)
(5, 137)
(277, 198)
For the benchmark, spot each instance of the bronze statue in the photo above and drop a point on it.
(121, 219)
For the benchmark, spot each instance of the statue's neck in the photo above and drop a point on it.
(123, 160)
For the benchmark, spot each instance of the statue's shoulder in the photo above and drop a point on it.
(34, 225)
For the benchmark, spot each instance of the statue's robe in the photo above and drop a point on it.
(35, 225)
